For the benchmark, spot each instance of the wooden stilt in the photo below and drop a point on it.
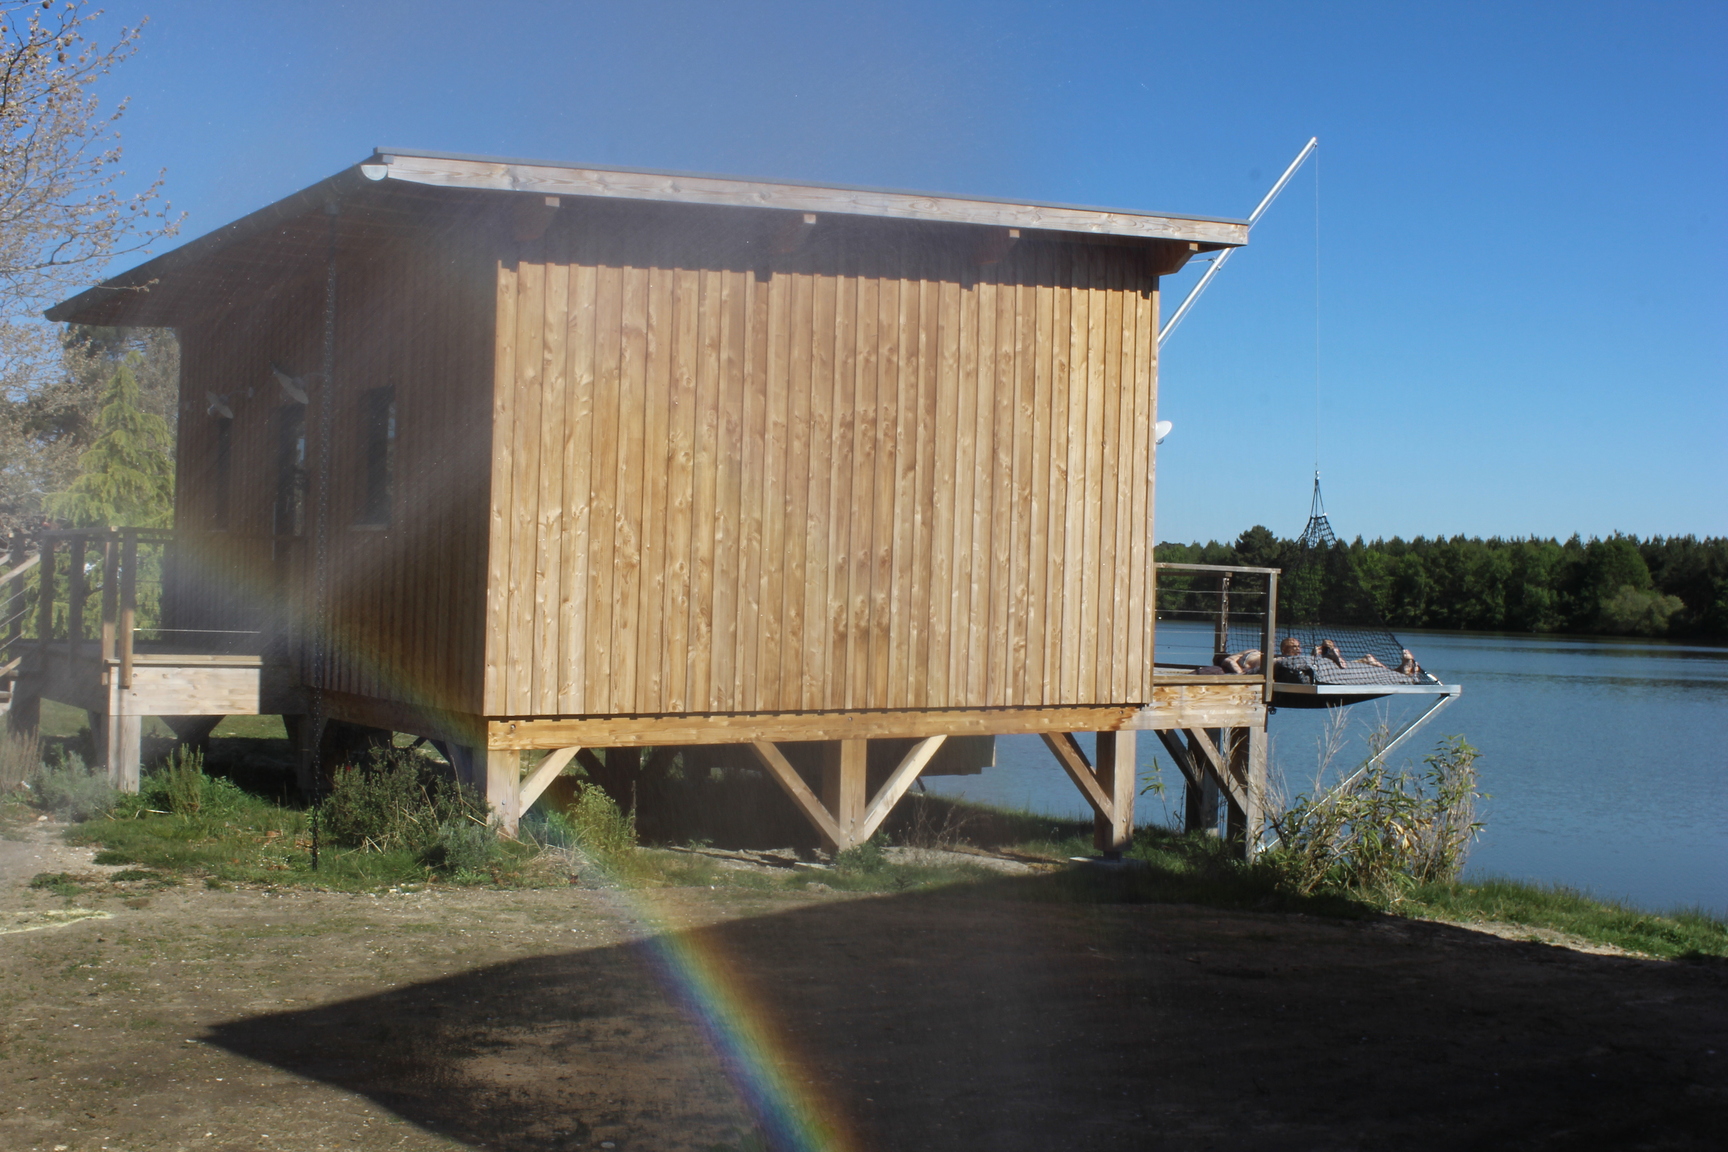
(1234, 746)
(1112, 832)
(1201, 801)
(504, 787)
(843, 787)
(544, 773)
(793, 785)
(1256, 806)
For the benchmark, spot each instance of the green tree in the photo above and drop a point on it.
(127, 476)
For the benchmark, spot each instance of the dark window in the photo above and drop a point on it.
(224, 474)
(290, 515)
(378, 451)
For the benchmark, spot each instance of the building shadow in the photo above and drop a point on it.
(1008, 1016)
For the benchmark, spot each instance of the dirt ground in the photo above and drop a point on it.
(991, 1017)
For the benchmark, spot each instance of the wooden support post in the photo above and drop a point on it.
(896, 784)
(1256, 805)
(121, 740)
(110, 593)
(843, 787)
(1112, 832)
(128, 604)
(504, 787)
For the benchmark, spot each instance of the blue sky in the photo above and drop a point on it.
(1522, 290)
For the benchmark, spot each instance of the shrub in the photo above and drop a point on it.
(73, 791)
(1383, 831)
(462, 846)
(397, 800)
(597, 824)
(183, 781)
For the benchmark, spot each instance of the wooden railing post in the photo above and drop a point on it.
(1270, 646)
(14, 595)
(1221, 630)
(76, 589)
(128, 603)
(110, 592)
(45, 594)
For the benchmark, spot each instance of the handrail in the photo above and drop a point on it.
(1221, 625)
(29, 563)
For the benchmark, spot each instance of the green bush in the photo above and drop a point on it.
(462, 846)
(73, 791)
(866, 858)
(183, 781)
(596, 823)
(396, 801)
(1383, 832)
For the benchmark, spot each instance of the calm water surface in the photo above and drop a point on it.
(1606, 761)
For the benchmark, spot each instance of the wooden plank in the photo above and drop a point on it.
(1073, 761)
(728, 556)
(550, 522)
(503, 781)
(683, 188)
(705, 466)
(1072, 324)
(903, 629)
(842, 476)
(524, 485)
(755, 428)
(795, 588)
(944, 497)
(1108, 509)
(574, 690)
(1023, 610)
(961, 622)
(896, 785)
(819, 513)
(502, 510)
(736, 727)
(681, 488)
(1139, 651)
(924, 489)
(1096, 318)
(543, 774)
(628, 595)
(658, 459)
(776, 367)
(191, 690)
(843, 788)
(1003, 494)
(880, 622)
(603, 693)
(860, 565)
(793, 785)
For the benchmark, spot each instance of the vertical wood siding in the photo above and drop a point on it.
(868, 474)
(407, 608)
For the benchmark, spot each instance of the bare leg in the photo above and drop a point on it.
(1329, 651)
(1230, 664)
(1369, 659)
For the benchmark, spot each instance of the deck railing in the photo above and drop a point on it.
(108, 585)
(1207, 610)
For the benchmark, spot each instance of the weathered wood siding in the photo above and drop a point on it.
(407, 599)
(871, 473)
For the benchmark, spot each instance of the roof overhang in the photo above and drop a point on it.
(373, 196)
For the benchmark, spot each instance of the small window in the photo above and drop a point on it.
(378, 453)
(290, 512)
(223, 476)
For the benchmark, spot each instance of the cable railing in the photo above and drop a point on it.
(1210, 612)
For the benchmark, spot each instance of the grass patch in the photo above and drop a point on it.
(1688, 934)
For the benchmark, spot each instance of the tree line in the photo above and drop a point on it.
(1675, 586)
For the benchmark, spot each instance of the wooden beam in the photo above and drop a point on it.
(590, 763)
(747, 727)
(843, 788)
(29, 563)
(895, 786)
(1214, 761)
(1067, 752)
(793, 784)
(1179, 753)
(544, 773)
(503, 787)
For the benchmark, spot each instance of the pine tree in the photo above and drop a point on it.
(127, 476)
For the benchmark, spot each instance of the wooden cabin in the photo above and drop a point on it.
(523, 456)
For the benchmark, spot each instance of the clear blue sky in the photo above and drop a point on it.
(1523, 277)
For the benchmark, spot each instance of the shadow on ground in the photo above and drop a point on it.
(1009, 1016)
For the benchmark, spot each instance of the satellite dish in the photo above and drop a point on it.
(1161, 430)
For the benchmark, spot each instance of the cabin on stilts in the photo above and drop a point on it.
(530, 458)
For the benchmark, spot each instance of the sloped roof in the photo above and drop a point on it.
(379, 195)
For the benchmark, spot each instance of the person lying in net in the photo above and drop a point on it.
(1327, 650)
(1249, 662)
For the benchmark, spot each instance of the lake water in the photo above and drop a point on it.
(1606, 761)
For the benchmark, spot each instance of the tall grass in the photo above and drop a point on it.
(20, 757)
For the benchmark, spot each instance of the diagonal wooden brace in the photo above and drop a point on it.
(544, 773)
(1068, 754)
(1213, 761)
